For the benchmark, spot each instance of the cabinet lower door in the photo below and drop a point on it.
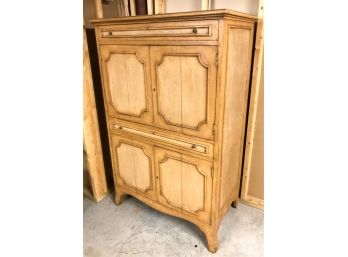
(184, 88)
(184, 183)
(133, 165)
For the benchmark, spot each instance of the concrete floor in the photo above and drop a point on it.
(134, 229)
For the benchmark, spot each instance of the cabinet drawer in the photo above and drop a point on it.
(196, 147)
(202, 30)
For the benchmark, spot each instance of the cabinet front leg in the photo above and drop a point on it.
(119, 197)
(211, 236)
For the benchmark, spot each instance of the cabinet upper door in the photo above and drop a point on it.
(184, 88)
(127, 83)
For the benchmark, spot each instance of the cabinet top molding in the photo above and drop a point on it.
(199, 15)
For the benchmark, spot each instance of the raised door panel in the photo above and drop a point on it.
(133, 165)
(184, 183)
(184, 88)
(127, 83)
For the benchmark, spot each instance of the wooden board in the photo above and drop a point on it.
(87, 185)
(256, 177)
(111, 9)
(132, 8)
(206, 5)
(159, 6)
(88, 13)
(91, 134)
(98, 7)
(253, 170)
(253, 178)
(150, 8)
(122, 8)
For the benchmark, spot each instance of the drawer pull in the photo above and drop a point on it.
(194, 30)
(164, 139)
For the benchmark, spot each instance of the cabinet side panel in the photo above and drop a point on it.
(236, 94)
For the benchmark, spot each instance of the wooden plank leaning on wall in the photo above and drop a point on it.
(206, 5)
(98, 7)
(91, 135)
(159, 6)
(253, 170)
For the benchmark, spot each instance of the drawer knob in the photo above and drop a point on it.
(110, 33)
(193, 146)
(194, 30)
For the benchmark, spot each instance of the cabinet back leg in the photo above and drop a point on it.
(119, 197)
(235, 204)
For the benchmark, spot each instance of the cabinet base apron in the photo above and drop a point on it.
(209, 231)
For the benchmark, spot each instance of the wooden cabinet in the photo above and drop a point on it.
(176, 88)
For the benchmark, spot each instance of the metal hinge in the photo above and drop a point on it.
(217, 58)
(214, 129)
